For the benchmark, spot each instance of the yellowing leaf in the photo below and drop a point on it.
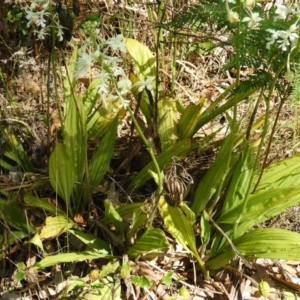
(55, 226)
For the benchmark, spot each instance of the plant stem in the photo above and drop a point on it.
(149, 149)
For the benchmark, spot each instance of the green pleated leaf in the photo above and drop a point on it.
(272, 243)
(113, 217)
(75, 136)
(69, 81)
(264, 205)
(164, 158)
(101, 158)
(144, 62)
(188, 121)
(33, 201)
(68, 257)
(151, 240)
(12, 215)
(214, 177)
(239, 184)
(55, 226)
(167, 126)
(91, 240)
(91, 96)
(180, 228)
(280, 174)
(62, 173)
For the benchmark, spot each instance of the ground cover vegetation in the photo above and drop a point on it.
(140, 149)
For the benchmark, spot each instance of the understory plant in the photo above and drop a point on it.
(237, 192)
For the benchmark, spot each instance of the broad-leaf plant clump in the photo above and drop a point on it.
(214, 218)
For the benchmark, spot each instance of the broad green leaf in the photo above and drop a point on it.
(125, 211)
(100, 121)
(68, 257)
(178, 225)
(280, 174)
(75, 136)
(114, 217)
(188, 121)
(264, 205)
(14, 150)
(36, 240)
(55, 226)
(144, 65)
(214, 177)
(213, 111)
(143, 60)
(151, 240)
(91, 96)
(142, 98)
(205, 229)
(110, 268)
(12, 215)
(101, 158)
(241, 179)
(141, 281)
(69, 81)
(180, 228)
(167, 278)
(61, 173)
(33, 201)
(188, 212)
(91, 240)
(166, 157)
(11, 238)
(272, 243)
(139, 219)
(167, 125)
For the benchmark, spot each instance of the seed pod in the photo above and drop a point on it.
(94, 275)
(76, 7)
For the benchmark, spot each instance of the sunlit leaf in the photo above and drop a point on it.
(188, 121)
(61, 172)
(141, 281)
(272, 243)
(55, 226)
(101, 158)
(214, 177)
(167, 126)
(93, 242)
(75, 136)
(67, 257)
(142, 58)
(114, 217)
(151, 240)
